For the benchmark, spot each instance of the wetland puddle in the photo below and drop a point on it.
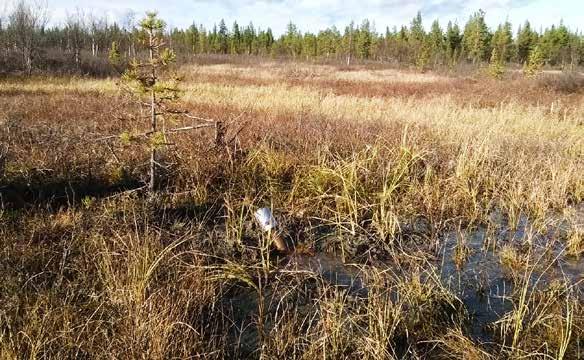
(331, 269)
(480, 277)
(485, 277)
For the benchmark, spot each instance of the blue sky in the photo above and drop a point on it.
(313, 15)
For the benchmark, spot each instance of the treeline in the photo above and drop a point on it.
(27, 43)
(412, 44)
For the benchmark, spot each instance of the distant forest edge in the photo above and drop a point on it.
(82, 43)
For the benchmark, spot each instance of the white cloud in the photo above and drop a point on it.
(312, 15)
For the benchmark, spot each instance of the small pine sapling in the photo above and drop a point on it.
(145, 80)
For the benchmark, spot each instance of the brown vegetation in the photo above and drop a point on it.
(372, 169)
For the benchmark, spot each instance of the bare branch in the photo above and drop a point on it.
(186, 114)
(113, 153)
(168, 131)
(195, 127)
(109, 137)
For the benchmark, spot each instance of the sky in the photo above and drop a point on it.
(312, 15)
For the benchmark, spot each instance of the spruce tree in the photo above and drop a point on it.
(223, 38)
(453, 41)
(348, 43)
(424, 55)
(402, 45)
(553, 43)
(417, 41)
(203, 41)
(476, 37)
(503, 41)
(526, 41)
(292, 40)
(364, 40)
(269, 40)
(214, 41)
(249, 36)
(310, 47)
(236, 39)
(417, 32)
(193, 38)
(437, 42)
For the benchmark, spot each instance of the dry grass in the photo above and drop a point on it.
(373, 167)
(558, 91)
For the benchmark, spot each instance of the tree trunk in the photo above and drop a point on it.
(27, 61)
(152, 185)
(219, 134)
(77, 57)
